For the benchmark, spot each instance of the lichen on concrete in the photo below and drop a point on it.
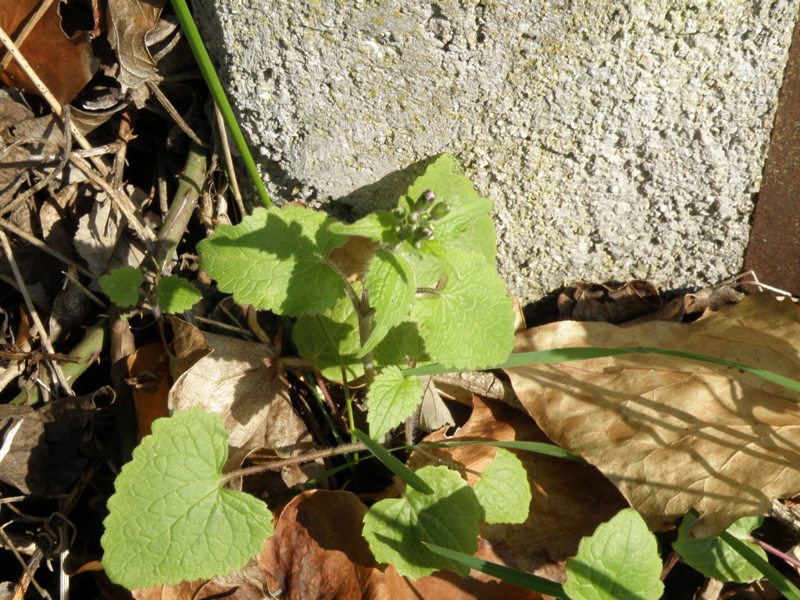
(616, 139)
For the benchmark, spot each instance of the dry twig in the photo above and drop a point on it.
(55, 367)
(34, 241)
(226, 153)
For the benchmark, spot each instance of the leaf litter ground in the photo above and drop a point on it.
(659, 434)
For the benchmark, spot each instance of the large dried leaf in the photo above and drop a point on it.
(64, 64)
(235, 382)
(318, 552)
(675, 434)
(559, 517)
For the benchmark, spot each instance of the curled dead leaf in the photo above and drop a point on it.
(129, 22)
(674, 434)
(612, 304)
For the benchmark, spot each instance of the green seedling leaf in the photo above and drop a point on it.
(502, 572)
(715, 558)
(170, 518)
(391, 399)
(122, 286)
(479, 237)
(176, 295)
(405, 474)
(429, 269)
(331, 340)
(619, 560)
(275, 259)
(448, 517)
(787, 589)
(380, 226)
(469, 323)
(503, 490)
(446, 179)
(390, 285)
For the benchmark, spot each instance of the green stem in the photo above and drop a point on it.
(218, 93)
(361, 308)
(348, 402)
(364, 332)
(182, 206)
(85, 351)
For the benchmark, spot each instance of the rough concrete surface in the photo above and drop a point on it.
(616, 139)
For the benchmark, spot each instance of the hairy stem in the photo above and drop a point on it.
(361, 307)
(286, 462)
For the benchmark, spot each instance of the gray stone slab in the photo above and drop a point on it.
(616, 139)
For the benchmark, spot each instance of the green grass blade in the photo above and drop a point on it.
(507, 574)
(776, 578)
(209, 74)
(537, 447)
(545, 357)
(391, 463)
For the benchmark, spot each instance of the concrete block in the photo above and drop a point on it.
(616, 139)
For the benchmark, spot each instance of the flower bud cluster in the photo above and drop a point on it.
(415, 223)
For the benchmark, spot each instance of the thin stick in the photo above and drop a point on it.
(179, 120)
(220, 99)
(121, 201)
(34, 241)
(109, 148)
(326, 394)
(28, 27)
(226, 154)
(54, 366)
(55, 105)
(86, 291)
(123, 135)
(27, 576)
(240, 330)
(279, 464)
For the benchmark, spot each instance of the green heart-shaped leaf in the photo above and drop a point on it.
(171, 519)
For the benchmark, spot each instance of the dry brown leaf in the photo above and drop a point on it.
(129, 21)
(234, 382)
(64, 64)
(198, 590)
(148, 368)
(675, 434)
(100, 239)
(46, 456)
(611, 304)
(353, 257)
(569, 499)
(318, 552)
(189, 344)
